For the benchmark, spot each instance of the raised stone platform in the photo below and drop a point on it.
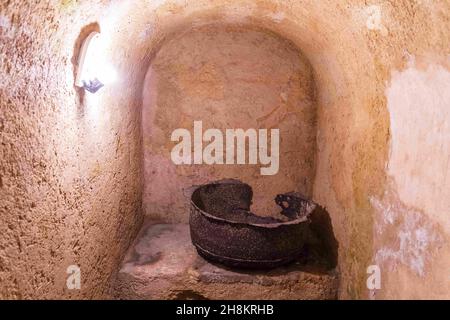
(163, 264)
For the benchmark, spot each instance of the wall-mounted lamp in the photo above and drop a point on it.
(93, 72)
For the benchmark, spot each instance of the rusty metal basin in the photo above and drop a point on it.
(224, 230)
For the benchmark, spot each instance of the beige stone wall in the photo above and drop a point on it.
(70, 182)
(371, 142)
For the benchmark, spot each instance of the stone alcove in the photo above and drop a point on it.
(227, 76)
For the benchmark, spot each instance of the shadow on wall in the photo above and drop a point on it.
(321, 249)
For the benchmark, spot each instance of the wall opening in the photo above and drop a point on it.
(227, 76)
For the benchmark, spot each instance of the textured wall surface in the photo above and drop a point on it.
(70, 183)
(371, 143)
(412, 225)
(228, 78)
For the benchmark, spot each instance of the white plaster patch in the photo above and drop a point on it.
(5, 22)
(371, 17)
(145, 34)
(156, 3)
(419, 163)
(6, 27)
(373, 20)
(239, 13)
(402, 235)
(277, 16)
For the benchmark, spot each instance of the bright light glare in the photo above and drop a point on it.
(92, 63)
(107, 74)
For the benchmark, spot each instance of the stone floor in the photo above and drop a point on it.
(163, 264)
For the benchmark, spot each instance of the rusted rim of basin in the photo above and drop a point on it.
(259, 225)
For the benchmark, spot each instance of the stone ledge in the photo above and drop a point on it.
(163, 264)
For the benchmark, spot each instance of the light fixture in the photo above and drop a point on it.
(93, 70)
